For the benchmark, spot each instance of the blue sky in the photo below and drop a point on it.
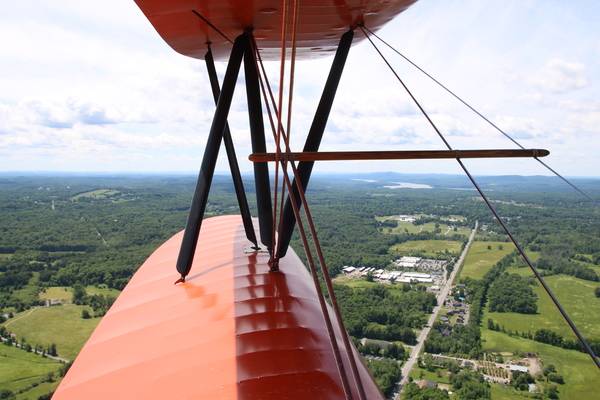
(91, 87)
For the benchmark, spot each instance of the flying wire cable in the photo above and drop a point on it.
(212, 26)
(587, 348)
(504, 226)
(271, 103)
(480, 115)
(271, 109)
(270, 99)
(279, 108)
(324, 311)
(286, 137)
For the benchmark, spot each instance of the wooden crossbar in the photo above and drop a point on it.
(397, 155)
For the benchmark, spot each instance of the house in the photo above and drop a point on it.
(380, 343)
(426, 383)
(518, 368)
(446, 332)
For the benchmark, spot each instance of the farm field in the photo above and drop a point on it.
(66, 293)
(97, 194)
(480, 259)
(427, 247)
(359, 283)
(575, 295)
(578, 370)
(19, 369)
(61, 325)
(421, 373)
(409, 227)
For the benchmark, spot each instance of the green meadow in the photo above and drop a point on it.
(427, 247)
(480, 259)
(66, 293)
(578, 369)
(409, 227)
(575, 295)
(97, 194)
(62, 325)
(19, 370)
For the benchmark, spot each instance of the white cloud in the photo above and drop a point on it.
(560, 76)
(92, 86)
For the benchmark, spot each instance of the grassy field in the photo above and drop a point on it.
(41, 389)
(359, 283)
(428, 227)
(61, 325)
(57, 293)
(416, 373)
(428, 247)
(20, 370)
(479, 259)
(97, 194)
(578, 370)
(66, 293)
(575, 295)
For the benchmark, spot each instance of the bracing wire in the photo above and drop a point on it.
(496, 215)
(270, 99)
(364, 28)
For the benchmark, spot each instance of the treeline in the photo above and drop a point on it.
(386, 374)
(100, 241)
(512, 293)
(553, 264)
(550, 337)
(98, 302)
(378, 313)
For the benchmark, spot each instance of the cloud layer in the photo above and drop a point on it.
(85, 88)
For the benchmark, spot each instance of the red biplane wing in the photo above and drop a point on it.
(188, 25)
(233, 330)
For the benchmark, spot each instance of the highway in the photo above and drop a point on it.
(416, 349)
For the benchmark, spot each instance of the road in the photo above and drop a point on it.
(416, 350)
(22, 316)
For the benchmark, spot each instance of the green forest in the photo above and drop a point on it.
(85, 236)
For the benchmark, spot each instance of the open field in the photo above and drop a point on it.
(61, 325)
(575, 295)
(28, 293)
(41, 389)
(361, 283)
(479, 259)
(580, 373)
(19, 370)
(97, 194)
(66, 293)
(416, 373)
(57, 293)
(409, 227)
(428, 227)
(428, 247)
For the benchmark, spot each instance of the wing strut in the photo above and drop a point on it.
(257, 134)
(211, 152)
(313, 140)
(231, 157)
